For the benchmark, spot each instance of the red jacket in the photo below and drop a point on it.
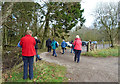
(78, 44)
(28, 43)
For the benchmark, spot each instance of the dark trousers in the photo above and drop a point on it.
(49, 48)
(54, 52)
(77, 55)
(28, 61)
(63, 50)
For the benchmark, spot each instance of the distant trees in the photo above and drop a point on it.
(106, 20)
(105, 26)
(86, 34)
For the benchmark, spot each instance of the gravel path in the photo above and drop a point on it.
(89, 69)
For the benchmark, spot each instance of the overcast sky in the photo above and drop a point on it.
(89, 7)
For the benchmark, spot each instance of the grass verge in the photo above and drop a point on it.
(43, 72)
(103, 53)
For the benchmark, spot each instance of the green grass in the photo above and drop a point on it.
(103, 53)
(43, 72)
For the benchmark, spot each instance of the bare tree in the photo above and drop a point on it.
(106, 19)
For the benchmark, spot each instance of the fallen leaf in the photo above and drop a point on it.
(34, 80)
(43, 72)
(53, 75)
(10, 76)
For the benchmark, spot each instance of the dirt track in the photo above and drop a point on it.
(89, 69)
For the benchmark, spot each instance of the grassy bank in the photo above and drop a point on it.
(43, 72)
(103, 53)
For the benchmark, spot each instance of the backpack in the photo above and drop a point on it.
(66, 45)
(56, 45)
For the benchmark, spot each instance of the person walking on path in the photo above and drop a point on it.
(54, 45)
(72, 47)
(48, 44)
(63, 45)
(77, 48)
(28, 51)
(36, 48)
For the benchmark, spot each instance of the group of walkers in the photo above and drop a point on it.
(29, 47)
(75, 48)
(54, 44)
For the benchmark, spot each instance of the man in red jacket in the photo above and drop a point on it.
(28, 51)
(77, 47)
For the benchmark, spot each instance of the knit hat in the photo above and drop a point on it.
(77, 36)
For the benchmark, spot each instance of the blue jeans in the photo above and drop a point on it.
(77, 55)
(28, 60)
(54, 52)
(71, 50)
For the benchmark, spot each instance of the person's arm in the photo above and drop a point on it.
(51, 44)
(19, 45)
(74, 43)
(21, 42)
(34, 42)
(38, 41)
(50, 41)
(80, 42)
(61, 44)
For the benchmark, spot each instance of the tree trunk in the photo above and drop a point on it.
(46, 30)
(54, 31)
(35, 27)
(112, 44)
(3, 43)
(7, 12)
(6, 36)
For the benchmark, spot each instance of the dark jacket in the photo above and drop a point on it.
(37, 41)
(48, 42)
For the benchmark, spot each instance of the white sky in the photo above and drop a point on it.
(89, 7)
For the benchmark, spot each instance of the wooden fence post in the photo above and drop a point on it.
(96, 46)
(93, 47)
(88, 47)
(103, 44)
